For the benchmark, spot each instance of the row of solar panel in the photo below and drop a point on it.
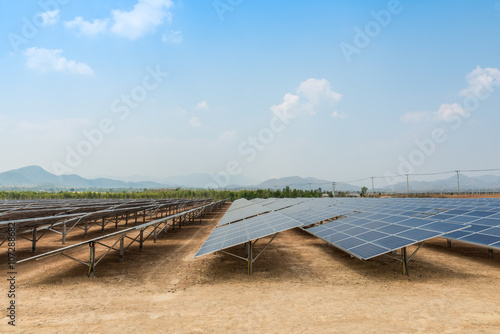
(373, 226)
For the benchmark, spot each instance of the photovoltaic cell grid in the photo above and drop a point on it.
(241, 213)
(246, 230)
(483, 216)
(377, 226)
(366, 238)
(283, 203)
(240, 203)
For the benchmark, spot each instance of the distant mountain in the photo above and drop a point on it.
(34, 177)
(478, 183)
(297, 182)
(37, 177)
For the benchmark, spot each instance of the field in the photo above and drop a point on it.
(299, 285)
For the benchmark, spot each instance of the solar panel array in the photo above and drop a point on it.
(366, 238)
(243, 209)
(246, 230)
(365, 227)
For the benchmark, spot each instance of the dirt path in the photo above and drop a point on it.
(300, 285)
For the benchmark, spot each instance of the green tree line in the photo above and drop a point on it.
(162, 193)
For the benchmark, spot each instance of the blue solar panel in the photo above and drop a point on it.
(336, 237)
(480, 213)
(371, 235)
(363, 221)
(393, 229)
(355, 231)
(456, 235)
(414, 222)
(480, 239)
(374, 225)
(367, 251)
(394, 242)
(246, 230)
(476, 228)
(494, 231)
(417, 234)
(349, 243)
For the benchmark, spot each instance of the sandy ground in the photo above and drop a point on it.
(299, 285)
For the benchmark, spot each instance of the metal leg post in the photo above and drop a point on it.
(122, 250)
(92, 260)
(404, 260)
(33, 242)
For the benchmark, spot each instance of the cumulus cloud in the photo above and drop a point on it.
(195, 122)
(481, 81)
(448, 110)
(141, 20)
(312, 96)
(87, 28)
(202, 106)
(51, 60)
(290, 105)
(50, 17)
(174, 37)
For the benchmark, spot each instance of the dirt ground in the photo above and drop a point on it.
(299, 285)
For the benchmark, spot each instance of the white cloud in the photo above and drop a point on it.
(87, 28)
(312, 95)
(481, 84)
(141, 20)
(48, 60)
(448, 110)
(195, 122)
(174, 37)
(290, 105)
(415, 116)
(144, 18)
(481, 81)
(338, 114)
(50, 17)
(202, 106)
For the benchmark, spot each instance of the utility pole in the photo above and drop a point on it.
(373, 185)
(333, 189)
(458, 182)
(309, 186)
(407, 184)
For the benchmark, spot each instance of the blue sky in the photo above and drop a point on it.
(339, 90)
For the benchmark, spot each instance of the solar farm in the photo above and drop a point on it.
(260, 265)
(364, 228)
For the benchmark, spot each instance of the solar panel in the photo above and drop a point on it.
(368, 227)
(377, 237)
(246, 230)
(242, 210)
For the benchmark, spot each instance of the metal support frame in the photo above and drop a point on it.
(64, 234)
(249, 246)
(404, 259)
(92, 260)
(92, 263)
(122, 251)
